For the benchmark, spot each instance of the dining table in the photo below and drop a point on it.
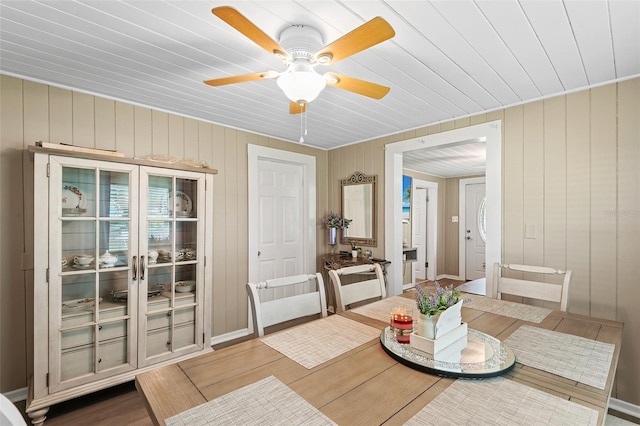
(565, 365)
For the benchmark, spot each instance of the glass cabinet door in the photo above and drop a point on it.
(93, 239)
(171, 305)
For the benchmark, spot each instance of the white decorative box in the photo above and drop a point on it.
(432, 346)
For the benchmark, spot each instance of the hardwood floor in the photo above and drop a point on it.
(119, 405)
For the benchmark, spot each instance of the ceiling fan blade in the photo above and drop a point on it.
(238, 21)
(241, 78)
(296, 108)
(354, 85)
(369, 34)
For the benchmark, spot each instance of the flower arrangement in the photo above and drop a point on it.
(333, 221)
(430, 303)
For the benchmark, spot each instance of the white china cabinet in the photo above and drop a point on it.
(121, 278)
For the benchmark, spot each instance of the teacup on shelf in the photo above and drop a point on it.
(83, 259)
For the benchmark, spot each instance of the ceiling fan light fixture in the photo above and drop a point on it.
(301, 86)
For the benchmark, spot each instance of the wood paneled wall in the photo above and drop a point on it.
(570, 169)
(571, 174)
(33, 111)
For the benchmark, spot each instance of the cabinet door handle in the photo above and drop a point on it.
(142, 267)
(135, 267)
(99, 327)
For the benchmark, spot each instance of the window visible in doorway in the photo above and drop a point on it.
(482, 219)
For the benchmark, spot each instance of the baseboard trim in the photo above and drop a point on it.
(625, 407)
(223, 338)
(17, 395)
(451, 277)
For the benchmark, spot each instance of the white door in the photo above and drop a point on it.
(280, 209)
(475, 235)
(419, 222)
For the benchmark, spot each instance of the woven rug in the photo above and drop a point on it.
(266, 402)
(577, 358)
(381, 309)
(499, 401)
(318, 341)
(506, 308)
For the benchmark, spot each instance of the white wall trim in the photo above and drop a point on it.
(451, 277)
(462, 224)
(625, 407)
(492, 133)
(236, 334)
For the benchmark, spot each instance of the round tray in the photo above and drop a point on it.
(483, 356)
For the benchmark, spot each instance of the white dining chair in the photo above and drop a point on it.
(534, 289)
(349, 293)
(284, 299)
(9, 413)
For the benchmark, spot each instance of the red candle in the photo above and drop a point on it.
(402, 325)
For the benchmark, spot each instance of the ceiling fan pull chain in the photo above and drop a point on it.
(302, 133)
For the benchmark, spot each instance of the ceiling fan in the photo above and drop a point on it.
(300, 48)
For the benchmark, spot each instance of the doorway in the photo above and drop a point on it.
(282, 213)
(472, 228)
(491, 133)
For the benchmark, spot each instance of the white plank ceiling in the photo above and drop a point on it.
(448, 59)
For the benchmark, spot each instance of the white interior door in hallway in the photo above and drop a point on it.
(281, 214)
(424, 208)
(475, 234)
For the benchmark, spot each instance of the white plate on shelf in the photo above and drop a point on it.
(79, 304)
(183, 204)
(73, 199)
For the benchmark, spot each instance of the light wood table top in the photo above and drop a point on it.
(364, 385)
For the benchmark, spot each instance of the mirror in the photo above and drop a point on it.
(359, 206)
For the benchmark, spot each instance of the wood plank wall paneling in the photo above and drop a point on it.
(555, 184)
(583, 145)
(603, 200)
(513, 186)
(578, 200)
(628, 217)
(33, 111)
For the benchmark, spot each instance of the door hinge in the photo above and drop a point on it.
(47, 379)
(203, 338)
(205, 185)
(47, 275)
(426, 264)
(48, 169)
(205, 261)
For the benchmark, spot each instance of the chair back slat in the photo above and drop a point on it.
(534, 289)
(266, 313)
(347, 294)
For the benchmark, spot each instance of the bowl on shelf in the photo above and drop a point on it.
(185, 286)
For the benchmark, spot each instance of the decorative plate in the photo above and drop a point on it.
(183, 204)
(72, 198)
(79, 304)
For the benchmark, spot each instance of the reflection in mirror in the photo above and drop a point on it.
(359, 206)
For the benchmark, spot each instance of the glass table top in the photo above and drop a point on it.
(482, 356)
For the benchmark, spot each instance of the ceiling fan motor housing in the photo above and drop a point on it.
(301, 41)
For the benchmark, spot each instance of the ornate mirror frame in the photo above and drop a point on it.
(369, 238)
